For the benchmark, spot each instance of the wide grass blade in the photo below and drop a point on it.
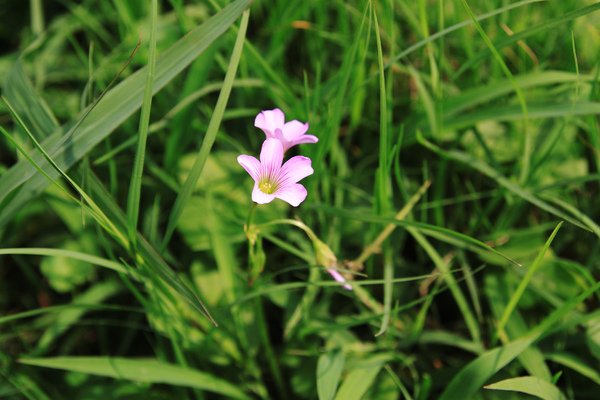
(361, 377)
(144, 370)
(530, 385)
(329, 372)
(115, 107)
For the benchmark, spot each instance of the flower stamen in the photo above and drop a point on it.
(267, 187)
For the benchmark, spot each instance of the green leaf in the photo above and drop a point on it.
(66, 273)
(529, 385)
(329, 372)
(361, 377)
(143, 370)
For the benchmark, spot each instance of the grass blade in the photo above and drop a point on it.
(501, 180)
(93, 260)
(211, 132)
(135, 186)
(530, 385)
(145, 370)
(329, 372)
(512, 303)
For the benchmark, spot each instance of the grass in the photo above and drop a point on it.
(455, 183)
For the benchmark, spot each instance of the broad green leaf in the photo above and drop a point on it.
(64, 274)
(329, 372)
(143, 370)
(530, 385)
(361, 377)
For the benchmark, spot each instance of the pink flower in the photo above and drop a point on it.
(273, 180)
(272, 123)
(338, 277)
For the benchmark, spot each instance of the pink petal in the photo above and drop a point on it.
(303, 139)
(293, 129)
(260, 197)
(250, 164)
(295, 168)
(269, 120)
(271, 157)
(338, 277)
(293, 194)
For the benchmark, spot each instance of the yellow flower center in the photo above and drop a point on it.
(267, 187)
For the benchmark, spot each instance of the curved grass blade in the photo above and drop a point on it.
(144, 370)
(93, 260)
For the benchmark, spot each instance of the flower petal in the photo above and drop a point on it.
(293, 194)
(293, 129)
(303, 139)
(338, 277)
(271, 157)
(269, 120)
(260, 197)
(294, 169)
(250, 164)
